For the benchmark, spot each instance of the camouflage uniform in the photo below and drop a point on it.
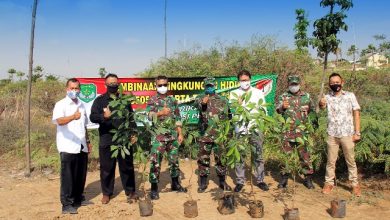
(217, 105)
(164, 142)
(301, 105)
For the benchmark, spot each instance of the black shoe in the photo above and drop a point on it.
(176, 185)
(223, 185)
(154, 192)
(202, 184)
(263, 186)
(308, 182)
(82, 203)
(238, 187)
(68, 209)
(283, 182)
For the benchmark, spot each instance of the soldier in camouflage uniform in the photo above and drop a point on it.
(296, 105)
(210, 105)
(165, 108)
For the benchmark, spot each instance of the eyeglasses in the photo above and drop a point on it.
(161, 85)
(112, 84)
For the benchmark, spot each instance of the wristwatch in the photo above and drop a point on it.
(357, 133)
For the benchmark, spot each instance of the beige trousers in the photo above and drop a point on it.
(348, 147)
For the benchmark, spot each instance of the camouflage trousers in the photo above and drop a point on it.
(304, 156)
(205, 149)
(156, 156)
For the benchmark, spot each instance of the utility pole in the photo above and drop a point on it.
(28, 94)
(165, 27)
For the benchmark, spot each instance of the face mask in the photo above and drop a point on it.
(112, 89)
(162, 90)
(209, 90)
(335, 87)
(293, 88)
(72, 94)
(245, 84)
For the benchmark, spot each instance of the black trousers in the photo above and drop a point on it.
(107, 171)
(73, 176)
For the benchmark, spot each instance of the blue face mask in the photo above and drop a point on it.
(209, 90)
(72, 94)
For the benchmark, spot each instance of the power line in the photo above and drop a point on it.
(165, 27)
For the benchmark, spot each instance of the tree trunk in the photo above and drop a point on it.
(323, 81)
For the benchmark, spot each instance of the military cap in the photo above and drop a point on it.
(209, 81)
(293, 79)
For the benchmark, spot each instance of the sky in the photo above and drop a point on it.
(77, 37)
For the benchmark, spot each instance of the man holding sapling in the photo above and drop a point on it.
(343, 129)
(163, 111)
(210, 105)
(299, 107)
(256, 137)
(101, 114)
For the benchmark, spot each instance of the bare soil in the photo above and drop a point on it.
(37, 197)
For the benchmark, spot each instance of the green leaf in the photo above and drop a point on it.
(123, 153)
(114, 154)
(114, 147)
(127, 152)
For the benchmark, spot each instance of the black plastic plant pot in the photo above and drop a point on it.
(191, 209)
(145, 207)
(338, 208)
(226, 204)
(256, 209)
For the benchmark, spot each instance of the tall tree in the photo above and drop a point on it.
(370, 49)
(102, 72)
(300, 28)
(11, 73)
(20, 75)
(352, 51)
(384, 45)
(326, 30)
(38, 73)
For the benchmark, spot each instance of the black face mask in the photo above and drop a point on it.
(112, 88)
(335, 87)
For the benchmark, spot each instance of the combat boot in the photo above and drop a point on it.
(154, 192)
(202, 184)
(222, 183)
(308, 182)
(283, 182)
(176, 185)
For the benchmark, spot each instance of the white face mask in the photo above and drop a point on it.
(162, 90)
(72, 94)
(245, 84)
(293, 88)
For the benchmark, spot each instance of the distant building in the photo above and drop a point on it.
(375, 60)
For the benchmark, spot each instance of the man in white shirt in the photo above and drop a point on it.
(73, 145)
(256, 137)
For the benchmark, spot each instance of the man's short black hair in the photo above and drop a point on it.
(159, 77)
(111, 75)
(335, 74)
(73, 80)
(244, 73)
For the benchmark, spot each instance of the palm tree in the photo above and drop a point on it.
(102, 72)
(20, 74)
(11, 73)
(352, 51)
(38, 73)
